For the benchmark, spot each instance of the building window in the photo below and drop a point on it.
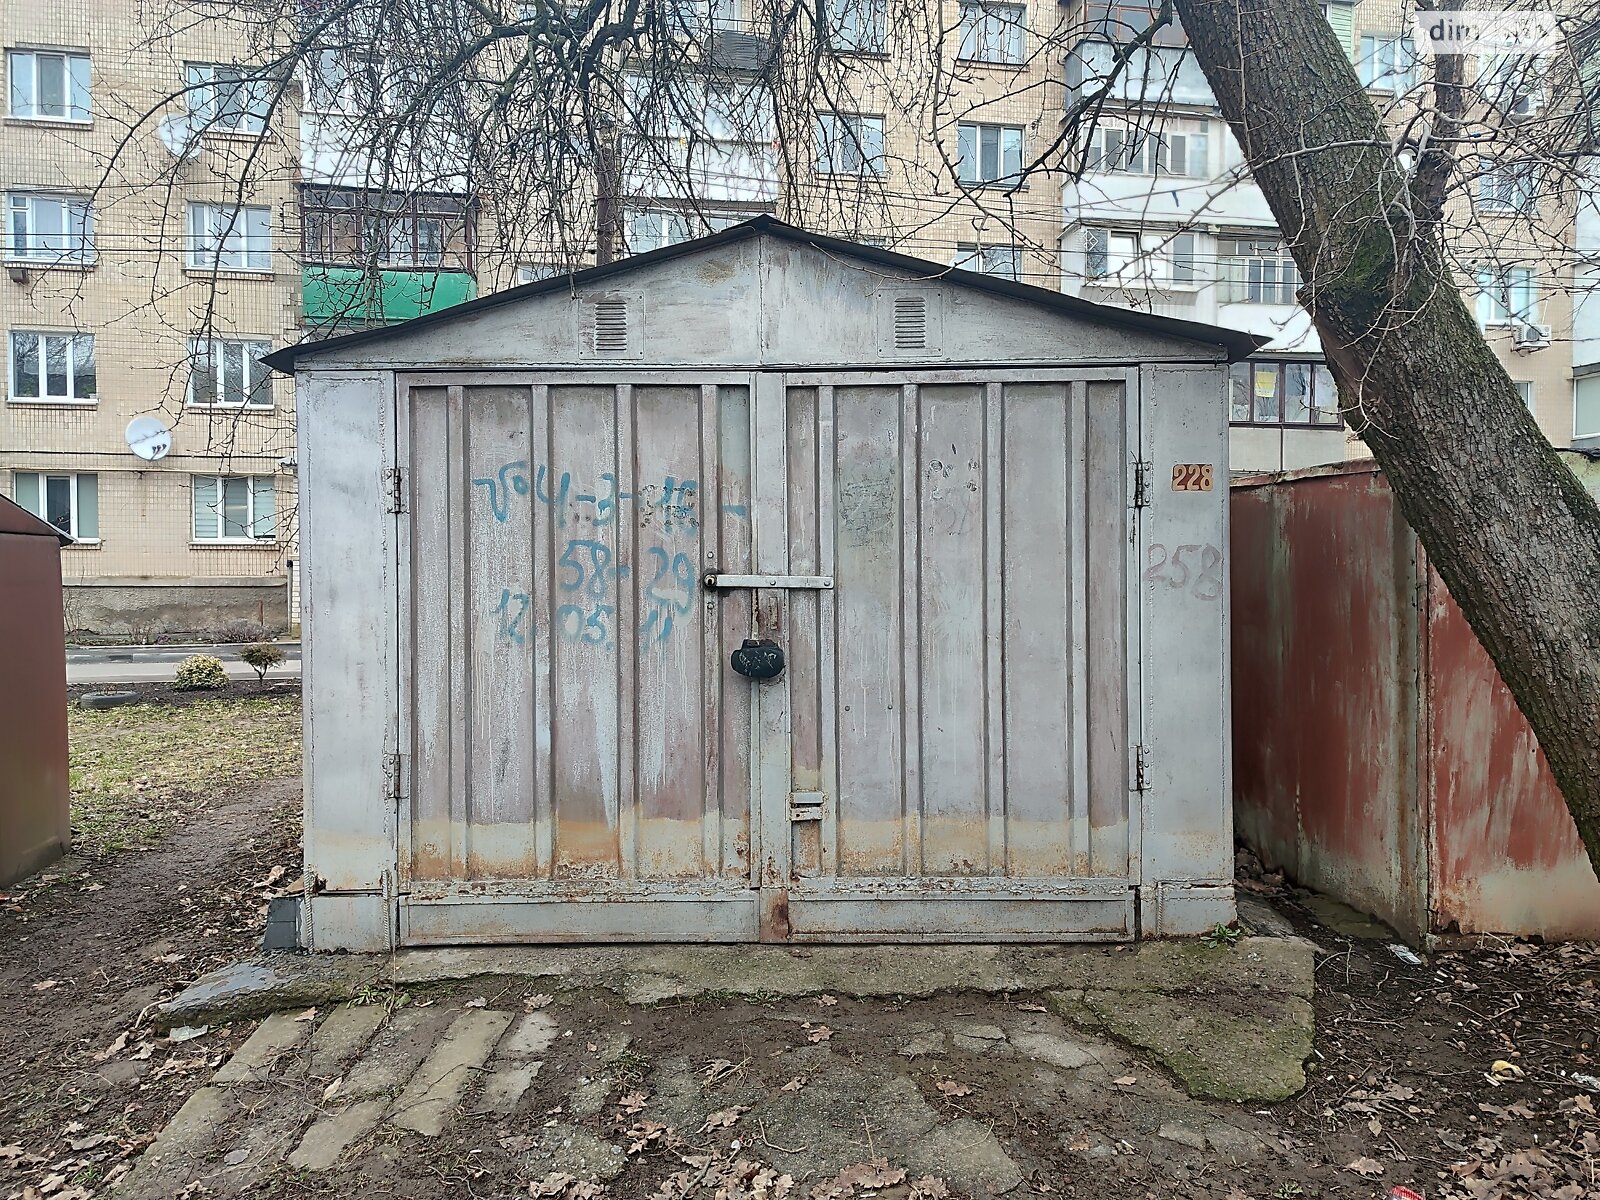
(69, 502)
(655, 229)
(1505, 186)
(1256, 271)
(229, 374)
(228, 98)
(1123, 258)
(1586, 406)
(858, 26)
(1137, 152)
(51, 229)
(233, 508)
(1511, 83)
(52, 367)
(1524, 392)
(534, 272)
(990, 155)
(993, 33)
(1282, 393)
(222, 238)
(1004, 260)
(1387, 62)
(355, 228)
(1506, 296)
(49, 85)
(849, 144)
(339, 81)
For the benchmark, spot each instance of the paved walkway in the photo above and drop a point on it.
(690, 1091)
(156, 664)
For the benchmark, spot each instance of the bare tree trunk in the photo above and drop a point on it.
(1510, 530)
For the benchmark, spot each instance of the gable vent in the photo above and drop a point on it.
(610, 326)
(910, 322)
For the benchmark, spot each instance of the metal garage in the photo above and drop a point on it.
(765, 587)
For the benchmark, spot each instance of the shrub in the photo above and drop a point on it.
(200, 673)
(235, 632)
(262, 656)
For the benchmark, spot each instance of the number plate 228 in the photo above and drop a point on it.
(1191, 477)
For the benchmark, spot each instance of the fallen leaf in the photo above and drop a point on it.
(116, 1047)
(826, 1000)
(538, 1000)
(816, 1033)
(310, 1014)
(332, 1090)
(633, 1102)
(234, 1157)
(1369, 1167)
(9, 1152)
(479, 1002)
(929, 1188)
(44, 985)
(1126, 1080)
(641, 1133)
(518, 1143)
(90, 1142)
(1501, 1069)
(952, 1087)
(274, 877)
(144, 1050)
(794, 1085)
(716, 1069)
(725, 1118)
(1032, 1008)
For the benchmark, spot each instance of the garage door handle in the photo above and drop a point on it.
(719, 583)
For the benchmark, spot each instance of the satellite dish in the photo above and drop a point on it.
(178, 134)
(148, 438)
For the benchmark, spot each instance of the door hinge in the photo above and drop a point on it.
(1141, 768)
(1141, 482)
(395, 481)
(391, 777)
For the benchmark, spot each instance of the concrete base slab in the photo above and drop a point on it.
(276, 1035)
(335, 1133)
(180, 1150)
(266, 984)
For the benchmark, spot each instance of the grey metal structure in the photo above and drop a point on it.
(984, 524)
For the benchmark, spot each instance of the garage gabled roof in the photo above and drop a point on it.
(1239, 345)
(16, 519)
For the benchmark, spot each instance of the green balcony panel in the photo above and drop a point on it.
(351, 296)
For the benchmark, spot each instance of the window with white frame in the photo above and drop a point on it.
(228, 98)
(1256, 271)
(533, 272)
(49, 85)
(1149, 152)
(1524, 392)
(849, 144)
(1506, 296)
(233, 508)
(1124, 257)
(52, 367)
(1512, 83)
(698, 16)
(342, 81)
(1586, 406)
(655, 228)
(1505, 186)
(989, 155)
(1003, 260)
(223, 238)
(70, 502)
(49, 229)
(1387, 62)
(226, 373)
(993, 33)
(858, 26)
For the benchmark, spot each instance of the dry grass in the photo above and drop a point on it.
(137, 772)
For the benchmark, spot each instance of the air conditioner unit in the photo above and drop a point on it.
(1531, 338)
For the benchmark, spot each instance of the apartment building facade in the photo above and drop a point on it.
(125, 298)
(1165, 218)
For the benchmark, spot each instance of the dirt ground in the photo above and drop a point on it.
(1473, 1074)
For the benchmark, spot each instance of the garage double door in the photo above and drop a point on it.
(944, 567)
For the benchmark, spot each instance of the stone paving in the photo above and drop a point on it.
(556, 1080)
